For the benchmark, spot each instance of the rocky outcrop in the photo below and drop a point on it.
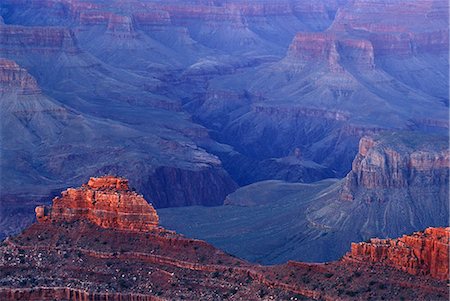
(311, 46)
(384, 164)
(12, 76)
(397, 32)
(424, 253)
(106, 201)
(332, 49)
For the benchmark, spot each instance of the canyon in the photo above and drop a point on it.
(76, 253)
(398, 184)
(273, 130)
(215, 81)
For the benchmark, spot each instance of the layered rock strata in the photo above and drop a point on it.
(12, 76)
(381, 165)
(107, 202)
(424, 253)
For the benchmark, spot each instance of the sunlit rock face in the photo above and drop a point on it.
(422, 253)
(106, 201)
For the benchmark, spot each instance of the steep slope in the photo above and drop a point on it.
(398, 184)
(74, 252)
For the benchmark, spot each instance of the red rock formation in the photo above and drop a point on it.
(109, 182)
(12, 76)
(106, 202)
(424, 253)
(311, 46)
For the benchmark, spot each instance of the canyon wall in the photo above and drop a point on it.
(380, 165)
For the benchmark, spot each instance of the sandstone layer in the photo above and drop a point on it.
(107, 202)
(422, 253)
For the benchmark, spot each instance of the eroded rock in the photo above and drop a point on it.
(106, 201)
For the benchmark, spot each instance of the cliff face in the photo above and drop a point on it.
(107, 202)
(13, 77)
(416, 30)
(332, 49)
(422, 253)
(39, 40)
(174, 187)
(76, 252)
(379, 165)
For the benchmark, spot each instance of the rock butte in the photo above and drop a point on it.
(106, 201)
(378, 165)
